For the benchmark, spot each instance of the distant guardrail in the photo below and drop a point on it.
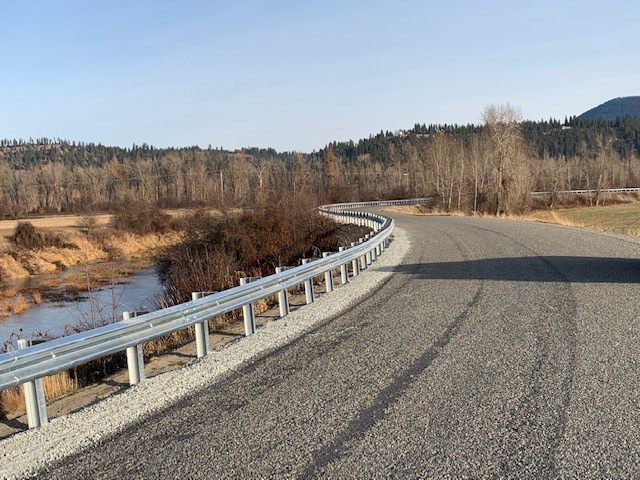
(30, 363)
(577, 192)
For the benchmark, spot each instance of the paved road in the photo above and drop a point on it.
(499, 349)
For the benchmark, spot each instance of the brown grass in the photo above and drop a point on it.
(5, 308)
(36, 296)
(50, 282)
(20, 305)
(23, 263)
(621, 215)
(55, 386)
(8, 293)
(421, 209)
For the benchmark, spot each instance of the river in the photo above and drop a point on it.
(133, 293)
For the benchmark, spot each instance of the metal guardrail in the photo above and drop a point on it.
(576, 192)
(29, 364)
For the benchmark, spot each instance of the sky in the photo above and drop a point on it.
(295, 75)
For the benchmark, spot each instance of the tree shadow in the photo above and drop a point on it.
(530, 269)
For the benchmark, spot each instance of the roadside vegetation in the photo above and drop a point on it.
(211, 253)
(616, 213)
(137, 232)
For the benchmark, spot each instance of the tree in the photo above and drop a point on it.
(502, 124)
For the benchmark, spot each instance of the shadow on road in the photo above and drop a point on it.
(531, 269)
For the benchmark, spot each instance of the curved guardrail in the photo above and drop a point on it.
(29, 364)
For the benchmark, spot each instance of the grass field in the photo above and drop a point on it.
(624, 219)
(70, 223)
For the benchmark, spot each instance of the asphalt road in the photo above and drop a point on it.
(499, 349)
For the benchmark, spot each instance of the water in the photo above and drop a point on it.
(136, 293)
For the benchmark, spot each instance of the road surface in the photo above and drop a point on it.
(498, 349)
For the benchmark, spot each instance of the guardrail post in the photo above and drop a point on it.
(283, 297)
(373, 254)
(248, 313)
(354, 263)
(308, 286)
(135, 359)
(34, 397)
(203, 347)
(328, 276)
(363, 260)
(344, 273)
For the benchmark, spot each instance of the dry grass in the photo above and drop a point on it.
(8, 293)
(36, 296)
(23, 263)
(421, 209)
(5, 308)
(50, 282)
(74, 223)
(20, 305)
(55, 386)
(140, 246)
(622, 215)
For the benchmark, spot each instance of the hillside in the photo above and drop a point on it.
(618, 107)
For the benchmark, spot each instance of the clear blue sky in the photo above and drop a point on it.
(296, 75)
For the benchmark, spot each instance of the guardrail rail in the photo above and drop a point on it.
(577, 192)
(29, 364)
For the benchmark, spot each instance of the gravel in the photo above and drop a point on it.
(24, 453)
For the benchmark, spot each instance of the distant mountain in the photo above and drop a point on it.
(618, 107)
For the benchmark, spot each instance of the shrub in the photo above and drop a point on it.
(27, 236)
(217, 250)
(88, 223)
(142, 220)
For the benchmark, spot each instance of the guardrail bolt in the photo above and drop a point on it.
(283, 297)
(34, 397)
(308, 286)
(248, 313)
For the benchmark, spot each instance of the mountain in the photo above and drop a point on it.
(618, 107)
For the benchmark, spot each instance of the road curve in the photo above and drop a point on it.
(498, 349)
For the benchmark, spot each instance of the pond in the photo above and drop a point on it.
(136, 292)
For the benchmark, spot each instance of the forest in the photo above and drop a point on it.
(486, 167)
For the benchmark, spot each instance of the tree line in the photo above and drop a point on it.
(487, 167)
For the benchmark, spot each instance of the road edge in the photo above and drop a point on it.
(24, 453)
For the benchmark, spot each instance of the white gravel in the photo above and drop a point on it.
(22, 454)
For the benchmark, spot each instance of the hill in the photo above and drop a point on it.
(618, 107)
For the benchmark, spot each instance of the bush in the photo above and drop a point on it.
(142, 220)
(88, 223)
(27, 236)
(216, 250)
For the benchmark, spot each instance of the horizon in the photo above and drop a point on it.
(33, 141)
(298, 77)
